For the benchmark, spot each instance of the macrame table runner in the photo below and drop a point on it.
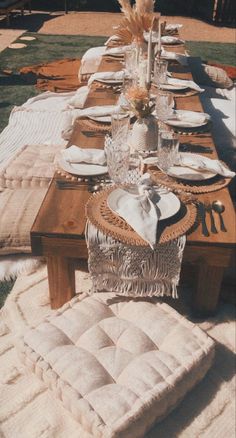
(122, 262)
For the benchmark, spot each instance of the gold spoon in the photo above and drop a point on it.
(219, 208)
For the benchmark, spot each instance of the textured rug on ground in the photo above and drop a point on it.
(29, 409)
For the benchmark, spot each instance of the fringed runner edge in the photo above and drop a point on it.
(135, 271)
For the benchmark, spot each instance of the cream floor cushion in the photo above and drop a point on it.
(118, 365)
(18, 209)
(31, 166)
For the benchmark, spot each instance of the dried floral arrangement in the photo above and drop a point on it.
(137, 19)
(139, 101)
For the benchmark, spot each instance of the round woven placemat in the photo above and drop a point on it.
(192, 131)
(91, 125)
(207, 186)
(99, 214)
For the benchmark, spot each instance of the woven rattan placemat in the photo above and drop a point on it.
(207, 186)
(92, 125)
(99, 214)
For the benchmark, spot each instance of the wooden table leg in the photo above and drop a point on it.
(61, 279)
(206, 295)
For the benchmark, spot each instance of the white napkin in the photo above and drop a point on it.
(120, 50)
(112, 38)
(167, 39)
(140, 212)
(187, 83)
(190, 118)
(173, 26)
(75, 154)
(79, 99)
(107, 76)
(97, 111)
(91, 60)
(182, 59)
(204, 164)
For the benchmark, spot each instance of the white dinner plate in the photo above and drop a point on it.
(102, 119)
(187, 173)
(172, 87)
(110, 81)
(168, 204)
(185, 123)
(170, 40)
(182, 172)
(82, 169)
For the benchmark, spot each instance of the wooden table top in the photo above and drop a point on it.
(62, 212)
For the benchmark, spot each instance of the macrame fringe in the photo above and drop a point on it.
(136, 271)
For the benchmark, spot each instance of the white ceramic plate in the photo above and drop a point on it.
(110, 81)
(185, 123)
(171, 87)
(104, 119)
(82, 169)
(186, 173)
(170, 40)
(168, 204)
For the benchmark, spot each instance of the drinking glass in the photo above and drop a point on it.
(160, 71)
(168, 149)
(164, 105)
(130, 61)
(117, 155)
(120, 125)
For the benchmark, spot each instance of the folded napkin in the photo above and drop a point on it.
(120, 50)
(79, 99)
(138, 210)
(182, 59)
(190, 118)
(75, 154)
(171, 40)
(204, 164)
(173, 26)
(91, 60)
(187, 83)
(107, 76)
(96, 111)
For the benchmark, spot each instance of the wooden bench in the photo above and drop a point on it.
(7, 6)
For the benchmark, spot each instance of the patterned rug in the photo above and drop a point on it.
(28, 409)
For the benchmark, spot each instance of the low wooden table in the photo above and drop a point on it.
(58, 231)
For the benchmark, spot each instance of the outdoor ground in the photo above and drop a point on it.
(100, 23)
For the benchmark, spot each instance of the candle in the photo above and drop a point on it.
(149, 63)
(159, 38)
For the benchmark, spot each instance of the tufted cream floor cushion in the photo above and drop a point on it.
(118, 365)
(30, 167)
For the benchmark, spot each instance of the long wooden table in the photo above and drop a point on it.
(58, 231)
